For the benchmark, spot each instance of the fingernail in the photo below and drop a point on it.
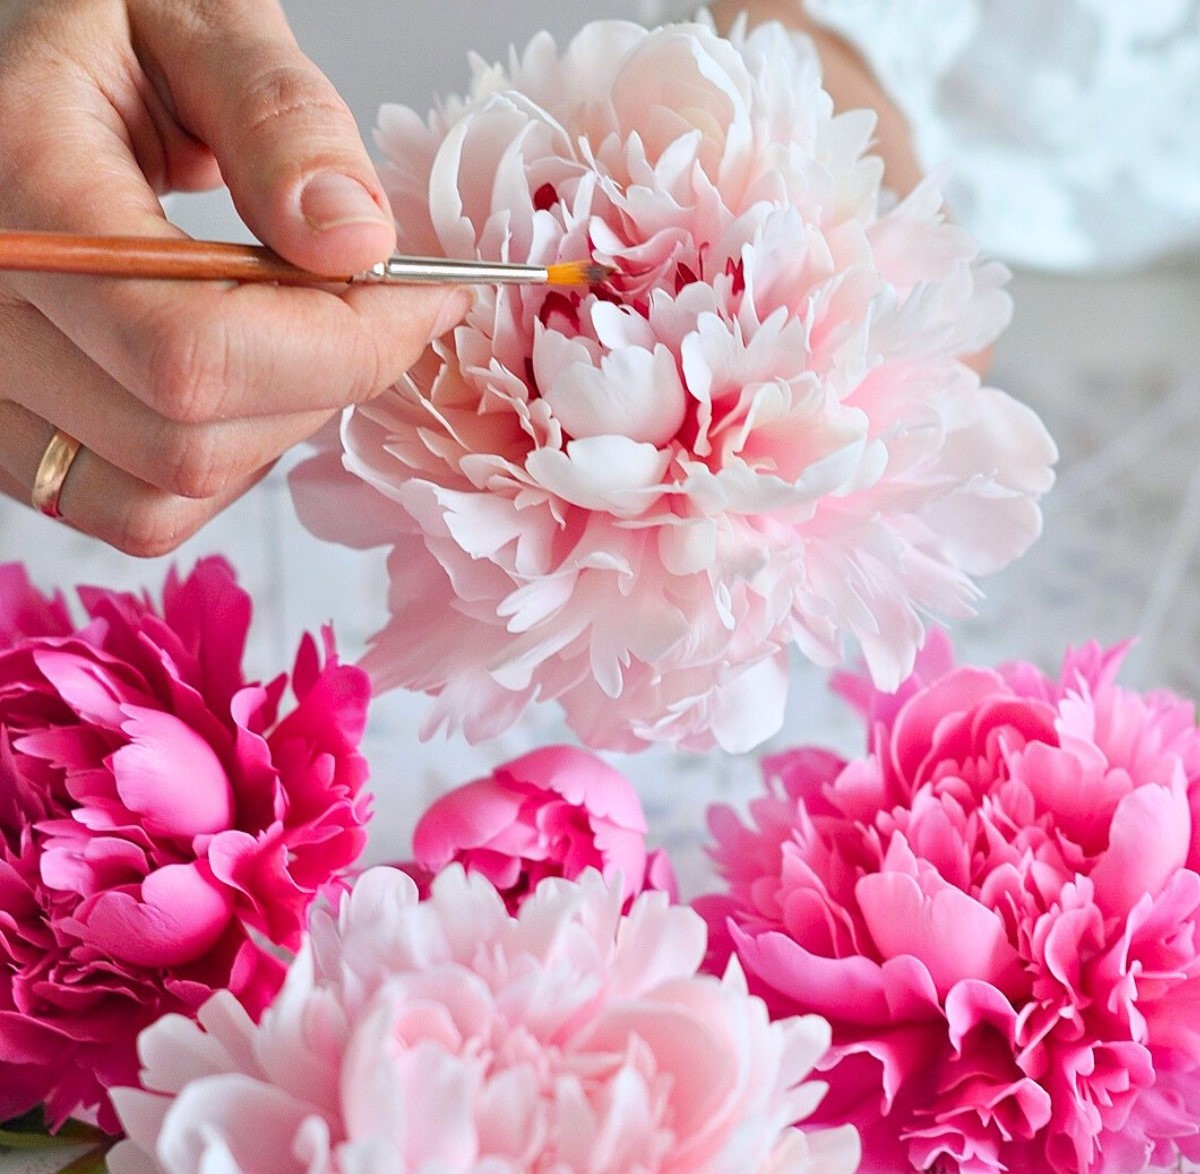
(330, 200)
(452, 312)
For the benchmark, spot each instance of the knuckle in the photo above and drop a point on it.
(195, 463)
(151, 526)
(379, 346)
(190, 371)
(284, 92)
(207, 16)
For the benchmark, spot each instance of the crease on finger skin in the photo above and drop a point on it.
(187, 163)
(129, 98)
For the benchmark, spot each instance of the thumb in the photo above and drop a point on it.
(286, 143)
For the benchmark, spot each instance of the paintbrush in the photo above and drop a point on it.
(183, 259)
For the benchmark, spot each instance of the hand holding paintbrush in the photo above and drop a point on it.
(181, 393)
(184, 259)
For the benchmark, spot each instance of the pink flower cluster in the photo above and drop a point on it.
(447, 1035)
(758, 435)
(998, 909)
(157, 819)
(556, 811)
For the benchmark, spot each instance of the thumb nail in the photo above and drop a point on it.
(331, 200)
(452, 311)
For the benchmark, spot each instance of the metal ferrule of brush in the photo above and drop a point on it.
(439, 271)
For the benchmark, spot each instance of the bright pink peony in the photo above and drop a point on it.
(634, 499)
(154, 817)
(998, 909)
(552, 812)
(447, 1035)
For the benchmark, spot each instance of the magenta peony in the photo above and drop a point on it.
(446, 1035)
(553, 812)
(998, 910)
(157, 821)
(758, 435)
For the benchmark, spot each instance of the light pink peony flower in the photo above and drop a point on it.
(998, 909)
(553, 812)
(447, 1035)
(634, 499)
(154, 815)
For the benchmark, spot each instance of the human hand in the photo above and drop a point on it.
(183, 394)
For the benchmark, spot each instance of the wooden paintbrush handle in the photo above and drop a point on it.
(178, 258)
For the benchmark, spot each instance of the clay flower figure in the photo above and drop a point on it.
(158, 822)
(553, 812)
(447, 1035)
(758, 435)
(998, 910)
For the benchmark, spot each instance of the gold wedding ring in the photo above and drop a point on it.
(52, 471)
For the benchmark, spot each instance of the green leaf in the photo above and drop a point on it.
(80, 1132)
(91, 1162)
(32, 1122)
(30, 1132)
(25, 1139)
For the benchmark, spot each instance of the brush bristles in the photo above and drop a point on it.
(578, 273)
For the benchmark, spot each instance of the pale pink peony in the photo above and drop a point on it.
(155, 817)
(998, 909)
(553, 812)
(446, 1035)
(634, 499)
